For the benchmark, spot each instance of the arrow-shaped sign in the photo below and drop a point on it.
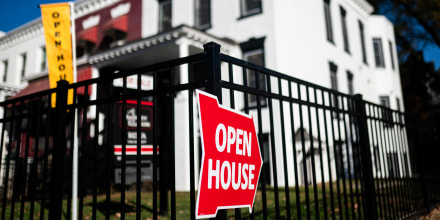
(231, 161)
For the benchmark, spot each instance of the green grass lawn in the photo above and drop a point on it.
(183, 205)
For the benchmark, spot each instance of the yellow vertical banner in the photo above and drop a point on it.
(57, 26)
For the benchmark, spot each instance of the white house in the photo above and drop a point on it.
(337, 44)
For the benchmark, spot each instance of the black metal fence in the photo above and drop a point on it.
(326, 155)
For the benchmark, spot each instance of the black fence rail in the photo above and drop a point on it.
(326, 155)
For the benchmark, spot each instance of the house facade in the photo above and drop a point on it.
(337, 44)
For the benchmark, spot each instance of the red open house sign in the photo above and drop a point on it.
(231, 161)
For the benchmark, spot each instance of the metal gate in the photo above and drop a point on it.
(325, 154)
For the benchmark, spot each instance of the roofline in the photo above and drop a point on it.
(10, 87)
(22, 33)
(365, 5)
(30, 29)
(176, 33)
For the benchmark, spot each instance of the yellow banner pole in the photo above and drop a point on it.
(75, 124)
(59, 29)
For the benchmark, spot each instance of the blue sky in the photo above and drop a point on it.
(14, 13)
(432, 53)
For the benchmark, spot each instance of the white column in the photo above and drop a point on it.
(91, 113)
(181, 122)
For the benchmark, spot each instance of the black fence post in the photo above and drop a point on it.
(367, 167)
(212, 79)
(212, 69)
(59, 151)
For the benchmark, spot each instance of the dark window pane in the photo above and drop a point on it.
(339, 158)
(253, 52)
(255, 57)
(393, 165)
(350, 83)
(249, 7)
(5, 70)
(344, 29)
(385, 101)
(113, 38)
(333, 76)
(328, 20)
(391, 54)
(334, 86)
(203, 14)
(86, 47)
(378, 52)
(266, 158)
(377, 158)
(43, 59)
(164, 15)
(387, 114)
(362, 35)
(23, 65)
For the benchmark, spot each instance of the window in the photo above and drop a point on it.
(255, 57)
(253, 52)
(398, 104)
(119, 38)
(43, 59)
(378, 52)
(250, 7)
(112, 38)
(333, 77)
(350, 83)
(339, 158)
(328, 21)
(23, 65)
(393, 165)
(362, 35)
(356, 157)
(203, 14)
(264, 140)
(86, 47)
(405, 160)
(377, 158)
(164, 15)
(387, 114)
(5, 70)
(344, 29)
(385, 101)
(391, 54)
(334, 86)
